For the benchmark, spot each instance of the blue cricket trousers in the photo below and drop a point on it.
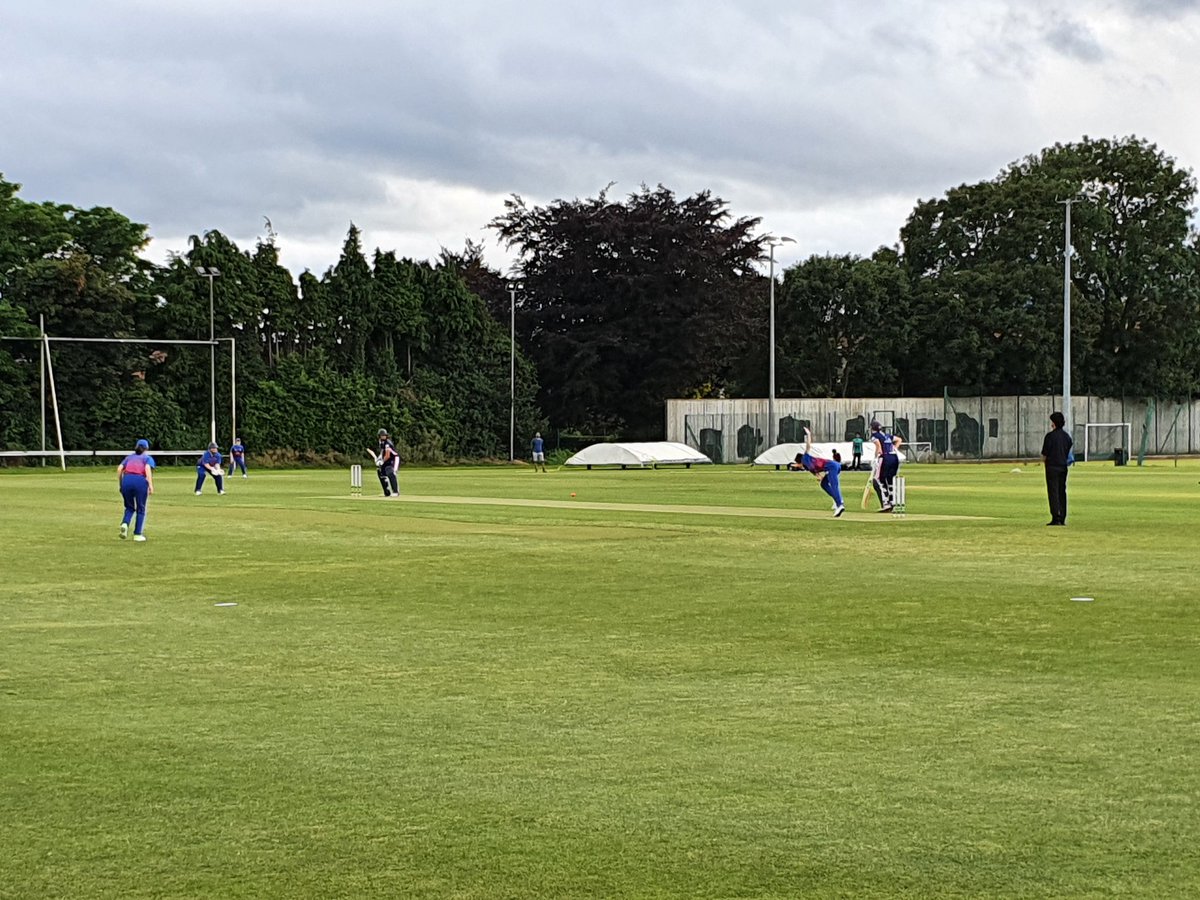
(830, 483)
(135, 489)
(201, 472)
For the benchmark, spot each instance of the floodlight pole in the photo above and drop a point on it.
(513, 287)
(42, 387)
(772, 242)
(211, 272)
(233, 391)
(1068, 252)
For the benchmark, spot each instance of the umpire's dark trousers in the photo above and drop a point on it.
(1056, 493)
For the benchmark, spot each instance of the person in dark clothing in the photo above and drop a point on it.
(387, 462)
(1056, 456)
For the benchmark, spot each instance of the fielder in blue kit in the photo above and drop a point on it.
(827, 470)
(237, 457)
(210, 464)
(135, 475)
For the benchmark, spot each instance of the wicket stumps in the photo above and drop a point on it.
(898, 496)
(356, 481)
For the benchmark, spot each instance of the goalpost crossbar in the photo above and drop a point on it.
(18, 454)
(1087, 434)
(43, 339)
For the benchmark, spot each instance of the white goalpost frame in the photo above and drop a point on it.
(1087, 430)
(47, 371)
(45, 348)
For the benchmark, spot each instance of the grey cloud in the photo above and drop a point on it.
(1166, 9)
(1076, 40)
(192, 118)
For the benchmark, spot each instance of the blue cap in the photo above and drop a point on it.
(142, 444)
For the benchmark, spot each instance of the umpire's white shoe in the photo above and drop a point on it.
(124, 530)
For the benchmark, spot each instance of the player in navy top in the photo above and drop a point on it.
(135, 475)
(886, 451)
(539, 454)
(1056, 457)
(210, 464)
(387, 461)
(828, 470)
(237, 457)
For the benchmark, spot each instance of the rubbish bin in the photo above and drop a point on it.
(1119, 456)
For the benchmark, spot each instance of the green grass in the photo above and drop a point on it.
(460, 700)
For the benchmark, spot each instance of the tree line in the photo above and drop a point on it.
(620, 303)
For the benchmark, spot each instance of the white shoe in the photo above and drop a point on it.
(838, 510)
(220, 492)
(244, 476)
(197, 493)
(124, 530)
(139, 537)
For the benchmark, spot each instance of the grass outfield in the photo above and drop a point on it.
(491, 699)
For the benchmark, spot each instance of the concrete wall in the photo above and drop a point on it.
(959, 428)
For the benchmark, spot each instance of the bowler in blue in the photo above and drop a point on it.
(827, 470)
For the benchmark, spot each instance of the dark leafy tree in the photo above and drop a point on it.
(987, 263)
(843, 322)
(627, 304)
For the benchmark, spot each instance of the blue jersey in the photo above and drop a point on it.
(537, 445)
(137, 464)
(885, 441)
(210, 458)
(818, 464)
(237, 451)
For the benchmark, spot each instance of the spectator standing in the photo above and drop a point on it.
(539, 452)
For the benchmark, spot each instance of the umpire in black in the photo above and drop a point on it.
(1056, 456)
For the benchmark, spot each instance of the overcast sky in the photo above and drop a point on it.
(416, 120)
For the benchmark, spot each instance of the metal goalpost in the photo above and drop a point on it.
(46, 379)
(1087, 436)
